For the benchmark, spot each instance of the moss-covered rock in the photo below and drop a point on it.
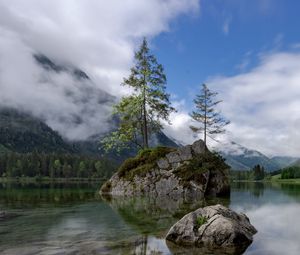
(144, 162)
(189, 172)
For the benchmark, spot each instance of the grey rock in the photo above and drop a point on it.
(163, 163)
(223, 228)
(164, 180)
(173, 157)
(198, 147)
(185, 153)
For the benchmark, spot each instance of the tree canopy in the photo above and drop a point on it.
(140, 113)
(211, 121)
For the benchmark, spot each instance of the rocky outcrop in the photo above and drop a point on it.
(189, 172)
(213, 226)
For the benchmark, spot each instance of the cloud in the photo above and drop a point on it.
(226, 25)
(96, 36)
(263, 104)
(180, 122)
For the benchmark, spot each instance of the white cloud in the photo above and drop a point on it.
(97, 36)
(263, 104)
(180, 122)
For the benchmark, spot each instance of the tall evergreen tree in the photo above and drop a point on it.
(141, 113)
(211, 121)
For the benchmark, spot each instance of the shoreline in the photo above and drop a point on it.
(288, 181)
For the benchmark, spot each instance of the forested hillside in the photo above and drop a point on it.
(20, 132)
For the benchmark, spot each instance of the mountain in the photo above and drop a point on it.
(50, 65)
(242, 158)
(285, 161)
(21, 132)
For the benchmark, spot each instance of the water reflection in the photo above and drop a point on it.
(74, 220)
(20, 195)
(149, 215)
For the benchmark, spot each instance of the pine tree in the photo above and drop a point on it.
(141, 112)
(211, 121)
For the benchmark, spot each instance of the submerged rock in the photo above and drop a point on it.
(213, 227)
(190, 172)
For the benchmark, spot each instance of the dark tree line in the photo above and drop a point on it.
(54, 166)
(257, 173)
(290, 172)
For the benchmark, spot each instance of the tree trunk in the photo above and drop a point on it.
(205, 116)
(145, 126)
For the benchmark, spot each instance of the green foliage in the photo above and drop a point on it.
(256, 174)
(201, 220)
(292, 172)
(140, 114)
(211, 121)
(193, 169)
(143, 162)
(20, 132)
(3, 149)
(55, 166)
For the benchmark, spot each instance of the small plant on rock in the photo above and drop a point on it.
(201, 220)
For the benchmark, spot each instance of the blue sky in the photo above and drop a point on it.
(225, 38)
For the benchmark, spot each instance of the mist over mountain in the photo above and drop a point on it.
(63, 96)
(239, 157)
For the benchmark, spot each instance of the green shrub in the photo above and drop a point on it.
(201, 220)
(194, 169)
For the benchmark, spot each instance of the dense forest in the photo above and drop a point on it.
(292, 172)
(256, 174)
(54, 166)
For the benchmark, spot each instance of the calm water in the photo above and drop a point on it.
(73, 219)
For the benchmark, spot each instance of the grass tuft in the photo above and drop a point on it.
(201, 220)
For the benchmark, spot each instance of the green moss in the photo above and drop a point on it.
(194, 169)
(106, 188)
(143, 162)
(201, 220)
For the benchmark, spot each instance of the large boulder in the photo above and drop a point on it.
(213, 227)
(189, 172)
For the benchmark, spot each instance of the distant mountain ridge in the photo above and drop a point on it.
(286, 161)
(242, 158)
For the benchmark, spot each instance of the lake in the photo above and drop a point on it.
(74, 219)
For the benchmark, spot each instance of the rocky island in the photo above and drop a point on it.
(189, 172)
